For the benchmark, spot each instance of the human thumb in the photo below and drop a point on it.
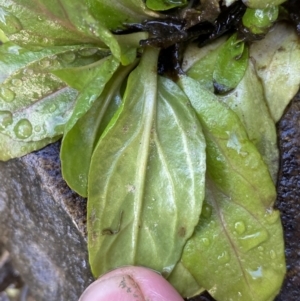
(131, 284)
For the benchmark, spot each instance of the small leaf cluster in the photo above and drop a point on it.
(178, 160)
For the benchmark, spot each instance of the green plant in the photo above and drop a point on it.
(174, 145)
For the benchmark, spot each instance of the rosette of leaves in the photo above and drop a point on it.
(173, 144)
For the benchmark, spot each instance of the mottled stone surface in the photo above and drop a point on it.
(42, 225)
(42, 221)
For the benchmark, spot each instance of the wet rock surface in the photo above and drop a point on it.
(42, 221)
(42, 226)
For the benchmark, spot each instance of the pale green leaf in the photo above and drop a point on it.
(42, 22)
(277, 61)
(10, 148)
(36, 103)
(145, 185)
(248, 102)
(237, 250)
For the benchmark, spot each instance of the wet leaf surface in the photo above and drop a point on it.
(134, 215)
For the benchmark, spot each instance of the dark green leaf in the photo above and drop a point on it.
(161, 5)
(114, 14)
(231, 65)
(91, 90)
(145, 185)
(259, 20)
(237, 250)
(78, 144)
(199, 63)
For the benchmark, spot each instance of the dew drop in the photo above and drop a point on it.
(52, 108)
(206, 211)
(250, 241)
(7, 95)
(37, 128)
(16, 82)
(255, 274)
(23, 129)
(68, 57)
(205, 241)
(240, 227)
(45, 63)
(260, 248)
(88, 51)
(272, 254)
(6, 119)
(224, 257)
(45, 40)
(272, 216)
(40, 18)
(28, 72)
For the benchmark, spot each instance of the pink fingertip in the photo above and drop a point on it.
(131, 284)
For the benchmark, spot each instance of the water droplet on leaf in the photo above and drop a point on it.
(23, 129)
(52, 108)
(272, 216)
(45, 63)
(88, 51)
(250, 241)
(68, 57)
(272, 254)
(255, 274)
(7, 95)
(17, 82)
(205, 241)
(6, 119)
(37, 128)
(224, 257)
(240, 227)
(206, 211)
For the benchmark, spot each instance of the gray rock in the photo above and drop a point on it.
(43, 226)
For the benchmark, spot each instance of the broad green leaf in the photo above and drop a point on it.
(277, 62)
(237, 250)
(10, 148)
(262, 3)
(92, 89)
(259, 20)
(162, 5)
(248, 102)
(200, 63)
(145, 186)
(14, 58)
(78, 144)
(184, 282)
(114, 14)
(231, 64)
(38, 103)
(42, 23)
